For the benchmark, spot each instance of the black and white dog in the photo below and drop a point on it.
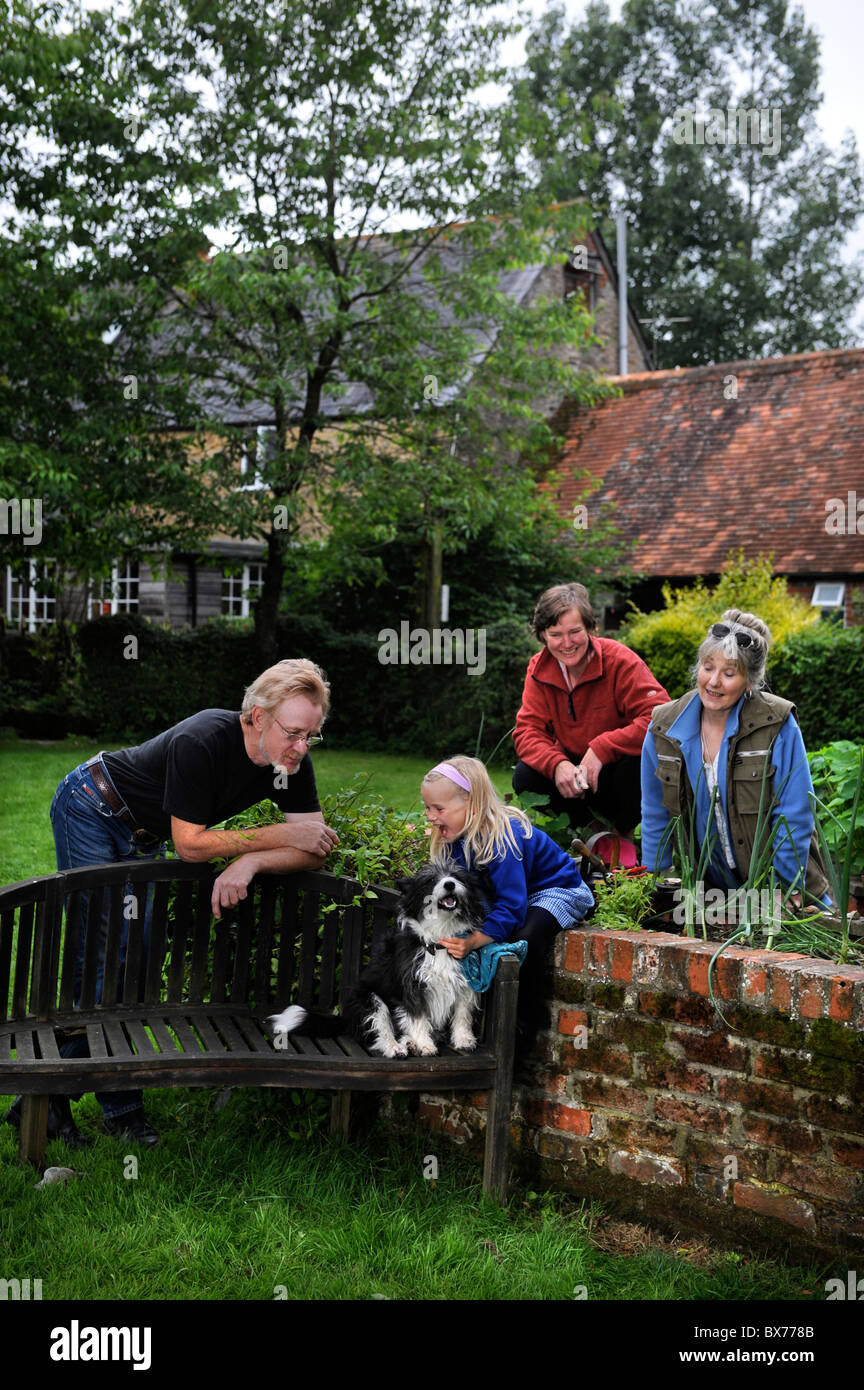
(412, 990)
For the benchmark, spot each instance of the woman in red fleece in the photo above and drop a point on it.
(585, 710)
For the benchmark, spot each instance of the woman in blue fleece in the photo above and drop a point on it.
(534, 888)
(734, 756)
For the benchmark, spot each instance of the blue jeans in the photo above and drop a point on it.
(87, 831)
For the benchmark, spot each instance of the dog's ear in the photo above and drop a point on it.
(402, 885)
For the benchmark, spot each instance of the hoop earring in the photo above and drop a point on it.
(748, 694)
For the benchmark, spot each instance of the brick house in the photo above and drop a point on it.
(223, 580)
(767, 455)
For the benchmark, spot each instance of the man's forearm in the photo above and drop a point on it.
(288, 860)
(227, 844)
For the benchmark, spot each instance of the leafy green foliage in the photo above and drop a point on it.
(715, 228)
(623, 900)
(669, 638)
(822, 670)
(836, 772)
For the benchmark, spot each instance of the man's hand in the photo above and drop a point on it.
(232, 883)
(312, 835)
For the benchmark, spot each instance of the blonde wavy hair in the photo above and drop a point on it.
(488, 831)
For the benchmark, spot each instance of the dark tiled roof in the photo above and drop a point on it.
(695, 469)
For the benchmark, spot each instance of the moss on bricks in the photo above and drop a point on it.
(568, 990)
(829, 1038)
(609, 996)
(769, 1028)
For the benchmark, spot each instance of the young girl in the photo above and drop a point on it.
(534, 888)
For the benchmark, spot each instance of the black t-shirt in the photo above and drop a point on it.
(199, 771)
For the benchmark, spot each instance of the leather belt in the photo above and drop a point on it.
(120, 809)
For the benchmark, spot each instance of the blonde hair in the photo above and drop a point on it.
(297, 676)
(488, 830)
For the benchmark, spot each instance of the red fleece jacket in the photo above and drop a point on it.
(608, 710)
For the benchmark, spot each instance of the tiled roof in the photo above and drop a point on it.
(705, 459)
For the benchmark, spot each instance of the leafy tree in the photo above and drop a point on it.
(740, 241)
(232, 171)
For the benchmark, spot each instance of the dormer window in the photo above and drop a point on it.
(581, 272)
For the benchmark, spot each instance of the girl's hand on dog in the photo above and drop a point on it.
(459, 946)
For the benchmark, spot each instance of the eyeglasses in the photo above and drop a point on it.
(298, 736)
(744, 639)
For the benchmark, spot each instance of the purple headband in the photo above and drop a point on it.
(453, 773)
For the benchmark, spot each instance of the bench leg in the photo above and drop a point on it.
(496, 1162)
(33, 1135)
(340, 1114)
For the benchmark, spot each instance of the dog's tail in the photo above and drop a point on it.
(307, 1022)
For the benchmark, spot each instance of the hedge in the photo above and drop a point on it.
(132, 689)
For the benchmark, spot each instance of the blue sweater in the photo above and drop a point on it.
(512, 879)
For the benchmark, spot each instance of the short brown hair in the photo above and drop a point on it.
(560, 599)
(297, 676)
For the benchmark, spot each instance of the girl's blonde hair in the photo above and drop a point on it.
(488, 830)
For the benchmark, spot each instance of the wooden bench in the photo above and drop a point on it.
(192, 1011)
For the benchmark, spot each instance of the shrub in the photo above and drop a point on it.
(669, 638)
(822, 671)
(130, 692)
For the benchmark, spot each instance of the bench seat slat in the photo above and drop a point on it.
(48, 1044)
(96, 1040)
(117, 1040)
(208, 1034)
(143, 1043)
(254, 1035)
(234, 1040)
(166, 1040)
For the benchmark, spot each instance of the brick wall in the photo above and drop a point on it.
(640, 1096)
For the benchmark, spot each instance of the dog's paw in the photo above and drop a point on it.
(289, 1019)
(424, 1049)
(397, 1049)
(464, 1042)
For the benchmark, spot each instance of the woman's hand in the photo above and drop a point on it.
(590, 767)
(569, 780)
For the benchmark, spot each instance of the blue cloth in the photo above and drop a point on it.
(479, 966)
(86, 831)
(792, 781)
(512, 877)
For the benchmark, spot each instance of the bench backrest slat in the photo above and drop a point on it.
(71, 934)
(243, 949)
(306, 993)
(7, 934)
(181, 929)
(21, 986)
(200, 946)
(112, 986)
(156, 954)
(264, 950)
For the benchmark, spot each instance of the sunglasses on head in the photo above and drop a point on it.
(744, 639)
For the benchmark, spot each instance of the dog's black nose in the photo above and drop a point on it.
(448, 886)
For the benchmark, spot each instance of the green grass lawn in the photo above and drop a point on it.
(248, 1198)
(243, 1203)
(30, 771)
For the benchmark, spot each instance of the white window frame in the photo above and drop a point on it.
(120, 597)
(830, 602)
(29, 602)
(250, 586)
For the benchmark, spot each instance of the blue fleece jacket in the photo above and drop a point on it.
(513, 878)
